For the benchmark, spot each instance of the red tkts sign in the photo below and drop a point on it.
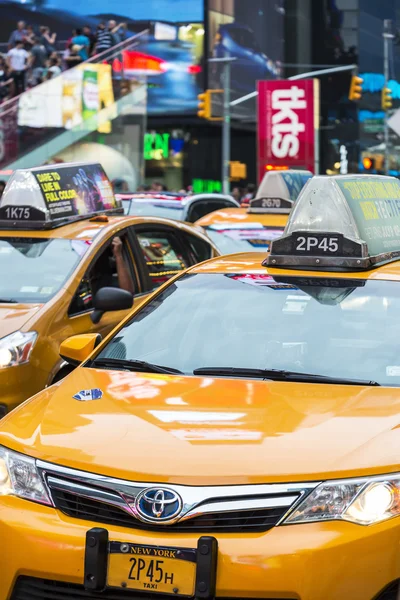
(288, 120)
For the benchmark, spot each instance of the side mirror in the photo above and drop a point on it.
(77, 348)
(110, 299)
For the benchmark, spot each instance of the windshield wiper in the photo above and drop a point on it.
(281, 375)
(132, 365)
(8, 301)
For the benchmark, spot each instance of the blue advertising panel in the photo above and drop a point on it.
(253, 34)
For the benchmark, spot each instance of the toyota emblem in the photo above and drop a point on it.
(158, 505)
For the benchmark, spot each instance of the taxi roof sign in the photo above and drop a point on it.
(278, 191)
(53, 195)
(347, 221)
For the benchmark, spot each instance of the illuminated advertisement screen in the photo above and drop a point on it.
(171, 56)
(251, 33)
(75, 190)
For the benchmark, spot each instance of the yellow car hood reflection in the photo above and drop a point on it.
(14, 317)
(205, 431)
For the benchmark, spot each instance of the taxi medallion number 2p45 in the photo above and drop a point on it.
(152, 568)
(318, 244)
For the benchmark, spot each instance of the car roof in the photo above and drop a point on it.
(89, 228)
(251, 262)
(241, 215)
(182, 199)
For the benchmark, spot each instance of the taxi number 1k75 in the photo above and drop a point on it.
(318, 244)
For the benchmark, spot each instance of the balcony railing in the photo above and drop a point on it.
(64, 109)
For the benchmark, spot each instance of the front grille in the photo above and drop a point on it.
(238, 521)
(30, 588)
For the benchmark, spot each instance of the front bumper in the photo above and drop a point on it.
(329, 561)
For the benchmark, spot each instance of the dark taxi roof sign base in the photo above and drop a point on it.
(347, 222)
(270, 205)
(56, 195)
(279, 191)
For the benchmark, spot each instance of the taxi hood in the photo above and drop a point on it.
(14, 316)
(208, 431)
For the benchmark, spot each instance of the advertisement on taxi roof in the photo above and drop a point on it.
(376, 208)
(288, 121)
(76, 190)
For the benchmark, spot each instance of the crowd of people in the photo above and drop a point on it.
(32, 56)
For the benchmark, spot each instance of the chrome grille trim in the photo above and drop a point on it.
(197, 500)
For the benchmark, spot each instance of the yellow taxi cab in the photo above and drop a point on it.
(254, 226)
(60, 243)
(203, 451)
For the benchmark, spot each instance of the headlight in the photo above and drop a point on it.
(362, 501)
(15, 349)
(19, 477)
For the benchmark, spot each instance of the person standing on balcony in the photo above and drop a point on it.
(104, 39)
(18, 61)
(87, 31)
(47, 39)
(38, 61)
(5, 80)
(18, 35)
(83, 42)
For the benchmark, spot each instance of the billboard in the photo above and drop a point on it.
(171, 55)
(68, 100)
(288, 121)
(253, 34)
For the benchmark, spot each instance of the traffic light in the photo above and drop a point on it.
(210, 105)
(204, 105)
(368, 163)
(387, 101)
(355, 91)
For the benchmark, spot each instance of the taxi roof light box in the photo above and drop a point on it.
(278, 191)
(53, 195)
(347, 221)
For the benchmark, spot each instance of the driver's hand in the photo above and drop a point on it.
(117, 247)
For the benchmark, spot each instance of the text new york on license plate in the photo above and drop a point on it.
(152, 568)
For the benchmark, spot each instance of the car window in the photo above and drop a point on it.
(201, 250)
(204, 207)
(34, 269)
(325, 326)
(163, 254)
(251, 237)
(170, 209)
(101, 273)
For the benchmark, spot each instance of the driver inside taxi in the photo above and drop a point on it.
(112, 269)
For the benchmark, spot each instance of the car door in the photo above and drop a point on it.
(81, 306)
(73, 315)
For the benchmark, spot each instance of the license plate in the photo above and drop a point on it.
(152, 568)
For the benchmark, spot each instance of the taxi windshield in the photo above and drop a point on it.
(245, 238)
(170, 209)
(32, 270)
(338, 328)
